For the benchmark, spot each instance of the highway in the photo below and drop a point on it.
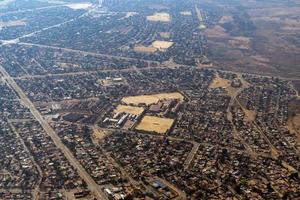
(92, 185)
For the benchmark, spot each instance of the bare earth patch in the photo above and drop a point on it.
(156, 46)
(220, 82)
(159, 17)
(151, 99)
(268, 44)
(144, 49)
(294, 125)
(155, 124)
(66, 65)
(77, 6)
(21, 22)
(129, 109)
(165, 34)
(162, 45)
(249, 115)
(226, 19)
(99, 134)
(186, 13)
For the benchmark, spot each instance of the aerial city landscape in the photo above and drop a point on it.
(149, 99)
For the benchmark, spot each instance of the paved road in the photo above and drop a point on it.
(35, 192)
(92, 185)
(82, 52)
(191, 155)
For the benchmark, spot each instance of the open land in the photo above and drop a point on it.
(15, 23)
(162, 45)
(159, 17)
(129, 109)
(261, 37)
(79, 5)
(220, 82)
(186, 13)
(144, 49)
(155, 124)
(151, 99)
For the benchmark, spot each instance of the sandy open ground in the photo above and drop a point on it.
(77, 6)
(219, 82)
(99, 134)
(186, 13)
(157, 45)
(21, 22)
(151, 99)
(144, 49)
(129, 109)
(294, 125)
(165, 34)
(156, 124)
(162, 45)
(159, 17)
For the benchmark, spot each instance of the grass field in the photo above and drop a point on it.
(159, 17)
(156, 124)
(151, 99)
(129, 109)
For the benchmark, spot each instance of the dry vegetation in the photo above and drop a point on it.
(165, 34)
(155, 124)
(219, 82)
(262, 38)
(151, 99)
(21, 22)
(77, 6)
(129, 109)
(156, 46)
(294, 119)
(159, 17)
(144, 49)
(162, 45)
(186, 13)
(99, 134)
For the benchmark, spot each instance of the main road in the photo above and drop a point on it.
(92, 185)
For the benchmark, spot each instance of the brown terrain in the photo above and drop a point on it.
(260, 37)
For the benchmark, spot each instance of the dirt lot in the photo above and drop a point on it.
(159, 17)
(156, 46)
(162, 45)
(99, 134)
(151, 99)
(186, 13)
(144, 49)
(155, 124)
(12, 23)
(294, 119)
(219, 82)
(165, 34)
(77, 6)
(129, 109)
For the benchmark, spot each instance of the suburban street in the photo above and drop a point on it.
(92, 185)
